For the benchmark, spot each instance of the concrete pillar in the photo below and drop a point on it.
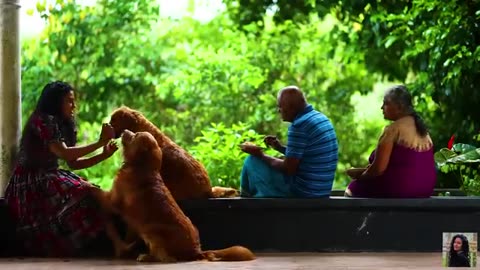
(10, 102)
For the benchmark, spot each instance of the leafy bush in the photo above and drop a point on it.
(462, 161)
(218, 150)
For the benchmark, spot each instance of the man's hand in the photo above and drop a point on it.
(272, 141)
(251, 149)
(110, 148)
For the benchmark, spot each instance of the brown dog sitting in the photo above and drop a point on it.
(185, 177)
(145, 203)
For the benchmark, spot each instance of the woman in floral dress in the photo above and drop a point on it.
(54, 209)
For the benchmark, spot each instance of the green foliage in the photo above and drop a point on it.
(462, 161)
(218, 150)
(431, 45)
(185, 75)
(242, 72)
(440, 41)
(101, 50)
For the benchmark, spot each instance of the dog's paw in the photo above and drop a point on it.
(151, 258)
(168, 259)
(123, 250)
(224, 192)
(230, 193)
(146, 258)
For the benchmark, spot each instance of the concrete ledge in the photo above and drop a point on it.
(434, 203)
(336, 224)
(436, 192)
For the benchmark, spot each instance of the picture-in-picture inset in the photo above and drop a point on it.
(459, 249)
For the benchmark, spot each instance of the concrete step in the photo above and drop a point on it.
(335, 224)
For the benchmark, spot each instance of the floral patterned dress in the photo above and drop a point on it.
(52, 208)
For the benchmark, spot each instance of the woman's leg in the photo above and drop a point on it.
(260, 180)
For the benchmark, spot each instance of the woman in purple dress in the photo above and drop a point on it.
(402, 165)
(54, 210)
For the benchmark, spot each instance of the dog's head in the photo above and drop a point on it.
(141, 149)
(125, 118)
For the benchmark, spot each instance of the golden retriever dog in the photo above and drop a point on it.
(185, 177)
(140, 196)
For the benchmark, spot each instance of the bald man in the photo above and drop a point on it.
(311, 154)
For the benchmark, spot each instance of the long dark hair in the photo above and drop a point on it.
(465, 247)
(399, 94)
(50, 103)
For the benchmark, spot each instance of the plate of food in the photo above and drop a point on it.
(250, 145)
(355, 172)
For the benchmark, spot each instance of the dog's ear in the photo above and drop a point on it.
(142, 143)
(125, 118)
(148, 147)
(157, 156)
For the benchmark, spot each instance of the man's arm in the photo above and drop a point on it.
(287, 165)
(296, 144)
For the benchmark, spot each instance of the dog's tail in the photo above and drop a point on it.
(235, 253)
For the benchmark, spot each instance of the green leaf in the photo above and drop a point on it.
(463, 148)
(441, 157)
(447, 62)
(390, 40)
(469, 157)
(41, 6)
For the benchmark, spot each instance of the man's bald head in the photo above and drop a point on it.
(291, 101)
(293, 96)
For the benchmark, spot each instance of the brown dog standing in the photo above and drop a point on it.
(185, 177)
(142, 199)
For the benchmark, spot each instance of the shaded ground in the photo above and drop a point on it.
(264, 261)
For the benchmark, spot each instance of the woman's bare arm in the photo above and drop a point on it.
(380, 163)
(69, 154)
(82, 163)
(61, 150)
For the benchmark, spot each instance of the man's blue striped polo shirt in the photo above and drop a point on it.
(312, 139)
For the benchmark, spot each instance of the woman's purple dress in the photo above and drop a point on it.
(410, 174)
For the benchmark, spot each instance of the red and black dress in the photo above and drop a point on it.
(52, 208)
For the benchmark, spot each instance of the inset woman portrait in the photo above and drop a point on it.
(459, 254)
